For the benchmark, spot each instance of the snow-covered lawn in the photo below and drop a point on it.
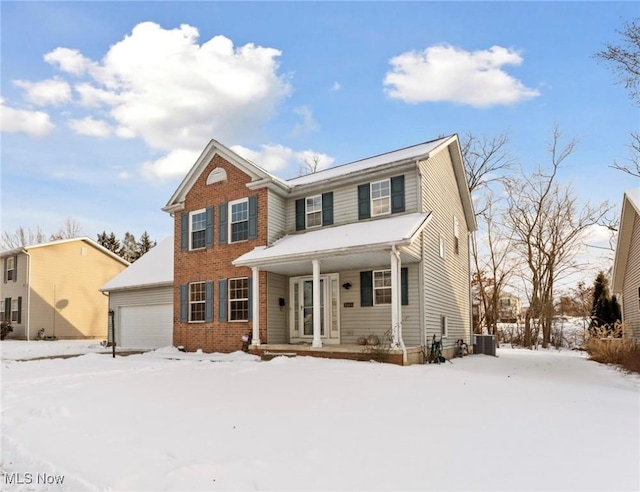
(20, 349)
(172, 421)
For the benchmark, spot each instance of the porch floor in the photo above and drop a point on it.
(343, 351)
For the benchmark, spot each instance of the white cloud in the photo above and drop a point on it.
(35, 123)
(447, 73)
(52, 91)
(69, 61)
(91, 127)
(308, 123)
(172, 165)
(336, 86)
(283, 161)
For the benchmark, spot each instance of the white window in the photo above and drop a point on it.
(11, 268)
(444, 327)
(441, 246)
(14, 310)
(314, 211)
(196, 301)
(239, 220)
(456, 235)
(381, 287)
(197, 228)
(239, 299)
(380, 197)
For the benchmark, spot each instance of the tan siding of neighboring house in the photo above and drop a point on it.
(345, 200)
(65, 296)
(446, 281)
(276, 315)
(14, 290)
(356, 321)
(631, 284)
(275, 217)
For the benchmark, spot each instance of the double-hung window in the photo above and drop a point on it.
(14, 310)
(314, 211)
(197, 228)
(196, 301)
(382, 287)
(239, 299)
(239, 220)
(456, 235)
(10, 268)
(444, 327)
(381, 197)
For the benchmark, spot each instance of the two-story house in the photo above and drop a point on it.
(52, 289)
(318, 263)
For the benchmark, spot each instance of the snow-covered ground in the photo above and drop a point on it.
(526, 420)
(21, 349)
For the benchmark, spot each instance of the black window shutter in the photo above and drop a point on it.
(253, 217)
(300, 214)
(19, 310)
(208, 301)
(15, 268)
(7, 309)
(222, 300)
(184, 231)
(250, 297)
(222, 223)
(404, 286)
(4, 273)
(209, 230)
(327, 208)
(364, 201)
(397, 194)
(366, 288)
(184, 304)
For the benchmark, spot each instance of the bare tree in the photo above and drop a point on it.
(22, 237)
(486, 159)
(548, 226)
(624, 60)
(311, 165)
(70, 228)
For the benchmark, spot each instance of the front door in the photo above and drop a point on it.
(301, 298)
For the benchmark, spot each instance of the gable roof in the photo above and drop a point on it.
(155, 268)
(630, 211)
(91, 242)
(353, 170)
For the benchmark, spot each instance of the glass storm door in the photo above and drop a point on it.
(306, 305)
(302, 308)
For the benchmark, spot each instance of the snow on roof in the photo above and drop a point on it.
(153, 268)
(407, 153)
(368, 235)
(633, 195)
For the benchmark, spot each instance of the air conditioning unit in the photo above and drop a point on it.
(484, 344)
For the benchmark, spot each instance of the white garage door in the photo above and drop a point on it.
(146, 327)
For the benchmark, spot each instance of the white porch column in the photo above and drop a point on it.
(395, 300)
(255, 305)
(317, 341)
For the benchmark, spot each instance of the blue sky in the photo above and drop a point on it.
(106, 105)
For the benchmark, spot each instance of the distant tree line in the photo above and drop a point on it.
(22, 237)
(128, 248)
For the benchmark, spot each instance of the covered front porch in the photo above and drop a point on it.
(333, 291)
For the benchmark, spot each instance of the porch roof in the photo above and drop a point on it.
(356, 245)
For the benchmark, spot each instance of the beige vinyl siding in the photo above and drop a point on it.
(65, 296)
(139, 297)
(276, 217)
(446, 281)
(631, 284)
(357, 321)
(14, 290)
(277, 329)
(345, 200)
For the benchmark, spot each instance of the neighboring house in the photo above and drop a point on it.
(141, 300)
(319, 262)
(55, 287)
(626, 267)
(509, 308)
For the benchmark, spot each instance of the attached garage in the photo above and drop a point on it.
(145, 327)
(141, 298)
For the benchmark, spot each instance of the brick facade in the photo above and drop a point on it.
(213, 264)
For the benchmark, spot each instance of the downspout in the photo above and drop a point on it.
(471, 332)
(400, 339)
(28, 293)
